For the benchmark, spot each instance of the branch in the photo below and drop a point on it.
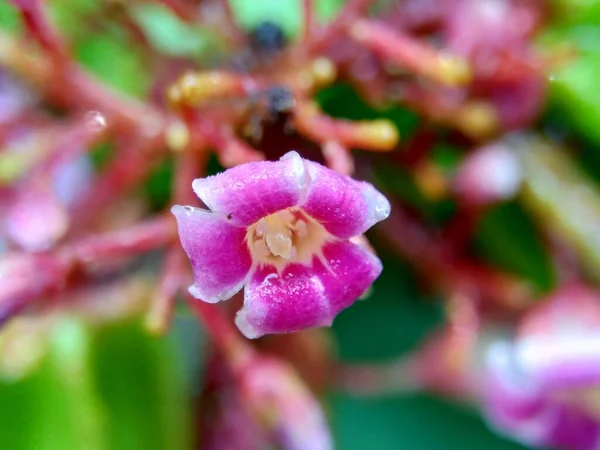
(28, 277)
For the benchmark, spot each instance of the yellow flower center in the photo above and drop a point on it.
(286, 235)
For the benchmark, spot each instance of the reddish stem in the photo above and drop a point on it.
(39, 28)
(175, 272)
(173, 276)
(128, 169)
(309, 19)
(406, 51)
(222, 333)
(184, 10)
(436, 263)
(27, 277)
(350, 11)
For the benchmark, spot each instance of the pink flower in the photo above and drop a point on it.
(285, 407)
(540, 385)
(490, 174)
(283, 230)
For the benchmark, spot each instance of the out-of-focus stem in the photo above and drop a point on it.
(74, 140)
(435, 262)
(375, 135)
(412, 54)
(308, 19)
(562, 198)
(129, 168)
(27, 277)
(350, 11)
(40, 29)
(175, 271)
(131, 241)
(373, 380)
(224, 335)
(70, 86)
(184, 10)
(172, 278)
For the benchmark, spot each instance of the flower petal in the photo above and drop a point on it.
(559, 344)
(303, 296)
(217, 250)
(520, 408)
(254, 190)
(344, 206)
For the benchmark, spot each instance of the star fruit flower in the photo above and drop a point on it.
(284, 230)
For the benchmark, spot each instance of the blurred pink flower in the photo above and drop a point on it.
(489, 174)
(284, 405)
(540, 386)
(283, 230)
(35, 228)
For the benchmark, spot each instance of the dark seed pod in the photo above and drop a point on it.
(267, 39)
(280, 100)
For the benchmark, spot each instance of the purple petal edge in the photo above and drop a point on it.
(302, 296)
(217, 250)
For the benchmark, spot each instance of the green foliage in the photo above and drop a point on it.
(68, 16)
(9, 17)
(391, 321)
(134, 369)
(286, 13)
(157, 188)
(341, 101)
(576, 11)
(574, 94)
(112, 387)
(109, 58)
(416, 422)
(171, 36)
(507, 237)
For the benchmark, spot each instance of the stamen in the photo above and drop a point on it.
(260, 248)
(281, 244)
(300, 228)
(284, 235)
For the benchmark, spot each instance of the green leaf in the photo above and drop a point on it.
(286, 13)
(342, 101)
(159, 185)
(417, 422)
(55, 407)
(113, 61)
(573, 85)
(9, 18)
(576, 11)
(169, 34)
(507, 237)
(446, 157)
(68, 16)
(98, 387)
(140, 381)
(391, 321)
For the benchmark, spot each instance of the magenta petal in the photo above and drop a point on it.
(303, 297)
(217, 250)
(520, 408)
(254, 190)
(36, 219)
(344, 206)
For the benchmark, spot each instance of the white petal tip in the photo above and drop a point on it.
(179, 210)
(249, 331)
(379, 206)
(202, 189)
(195, 292)
(293, 154)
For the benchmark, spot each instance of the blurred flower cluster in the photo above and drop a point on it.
(185, 188)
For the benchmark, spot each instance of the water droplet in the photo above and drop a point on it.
(95, 121)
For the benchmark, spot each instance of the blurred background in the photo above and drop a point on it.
(479, 119)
